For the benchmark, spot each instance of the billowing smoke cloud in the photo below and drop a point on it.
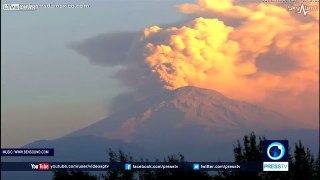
(270, 55)
(210, 54)
(108, 49)
(199, 54)
(256, 52)
(122, 51)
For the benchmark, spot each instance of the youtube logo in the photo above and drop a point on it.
(43, 166)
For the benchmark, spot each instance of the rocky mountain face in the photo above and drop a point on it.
(173, 115)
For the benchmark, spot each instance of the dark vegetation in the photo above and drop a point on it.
(302, 165)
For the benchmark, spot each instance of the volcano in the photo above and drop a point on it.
(174, 115)
(177, 121)
(201, 124)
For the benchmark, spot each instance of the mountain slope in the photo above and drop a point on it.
(201, 124)
(184, 111)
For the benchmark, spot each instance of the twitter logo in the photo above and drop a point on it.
(196, 166)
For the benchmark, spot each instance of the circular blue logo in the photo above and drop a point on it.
(275, 151)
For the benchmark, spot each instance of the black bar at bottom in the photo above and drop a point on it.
(130, 166)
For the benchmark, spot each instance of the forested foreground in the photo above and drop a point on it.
(302, 165)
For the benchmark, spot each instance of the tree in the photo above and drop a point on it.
(302, 165)
(251, 151)
(316, 171)
(73, 175)
(303, 162)
(119, 156)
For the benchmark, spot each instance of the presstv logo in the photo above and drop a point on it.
(275, 155)
(41, 166)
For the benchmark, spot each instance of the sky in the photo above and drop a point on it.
(63, 69)
(48, 89)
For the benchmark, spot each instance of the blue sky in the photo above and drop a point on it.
(49, 90)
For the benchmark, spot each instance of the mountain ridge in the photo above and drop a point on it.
(201, 124)
(185, 107)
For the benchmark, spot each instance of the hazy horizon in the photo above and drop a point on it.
(54, 89)
(64, 69)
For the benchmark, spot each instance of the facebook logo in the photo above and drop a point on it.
(196, 166)
(127, 166)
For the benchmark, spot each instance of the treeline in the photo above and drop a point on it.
(302, 165)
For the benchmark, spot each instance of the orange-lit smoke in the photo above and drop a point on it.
(210, 54)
